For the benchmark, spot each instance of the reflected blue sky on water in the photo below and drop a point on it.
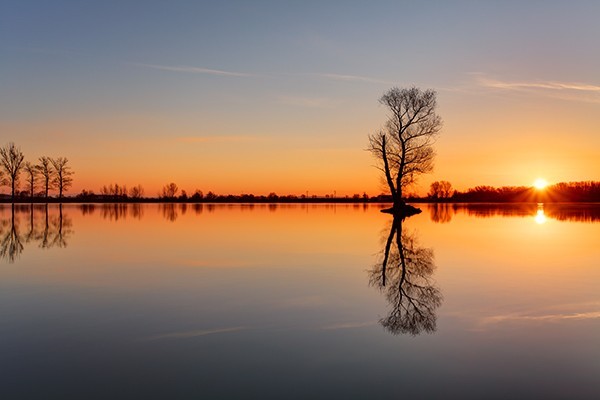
(237, 301)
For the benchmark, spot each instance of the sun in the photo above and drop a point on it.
(540, 183)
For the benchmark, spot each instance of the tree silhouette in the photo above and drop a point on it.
(440, 190)
(136, 192)
(46, 172)
(11, 159)
(404, 276)
(31, 171)
(404, 146)
(170, 191)
(63, 176)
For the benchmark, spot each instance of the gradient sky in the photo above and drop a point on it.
(262, 96)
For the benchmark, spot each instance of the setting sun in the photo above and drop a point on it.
(540, 183)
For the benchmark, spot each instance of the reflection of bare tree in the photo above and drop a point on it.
(119, 211)
(44, 235)
(169, 211)
(441, 212)
(404, 276)
(11, 245)
(42, 227)
(114, 211)
(62, 229)
(137, 211)
(87, 209)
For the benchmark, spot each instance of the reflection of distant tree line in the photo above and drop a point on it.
(403, 274)
(443, 212)
(171, 211)
(41, 227)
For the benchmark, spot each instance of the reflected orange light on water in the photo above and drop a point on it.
(540, 217)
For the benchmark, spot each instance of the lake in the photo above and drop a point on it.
(299, 301)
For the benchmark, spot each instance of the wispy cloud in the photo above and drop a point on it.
(569, 91)
(194, 70)
(194, 333)
(350, 78)
(311, 102)
(549, 85)
(217, 139)
(348, 325)
(542, 318)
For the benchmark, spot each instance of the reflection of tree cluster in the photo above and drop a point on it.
(41, 227)
(560, 211)
(441, 212)
(404, 276)
(117, 211)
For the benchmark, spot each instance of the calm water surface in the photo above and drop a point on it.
(299, 301)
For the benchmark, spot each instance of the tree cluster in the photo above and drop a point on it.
(48, 174)
(440, 190)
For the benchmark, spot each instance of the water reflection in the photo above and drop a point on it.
(540, 216)
(578, 212)
(404, 277)
(45, 228)
(441, 212)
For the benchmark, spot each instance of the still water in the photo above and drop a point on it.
(299, 301)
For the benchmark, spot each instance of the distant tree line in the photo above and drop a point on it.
(586, 191)
(40, 178)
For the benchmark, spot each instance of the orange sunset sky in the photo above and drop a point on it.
(259, 97)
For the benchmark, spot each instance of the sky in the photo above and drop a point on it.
(280, 96)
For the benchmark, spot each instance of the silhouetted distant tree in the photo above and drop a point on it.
(197, 196)
(170, 191)
(11, 159)
(46, 173)
(440, 190)
(31, 173)
(136, 192)
(63, 176)
(404, 147)
(114, 191)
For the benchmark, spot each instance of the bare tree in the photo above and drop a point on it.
(170, 191)
(63, 176)
(136, 192)
(404, 147)
(46, 173)
(115, 191)
(440, 190)
(11, 158)
(32, 173)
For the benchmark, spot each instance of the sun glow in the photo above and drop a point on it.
(540, 183)
(540, 217)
